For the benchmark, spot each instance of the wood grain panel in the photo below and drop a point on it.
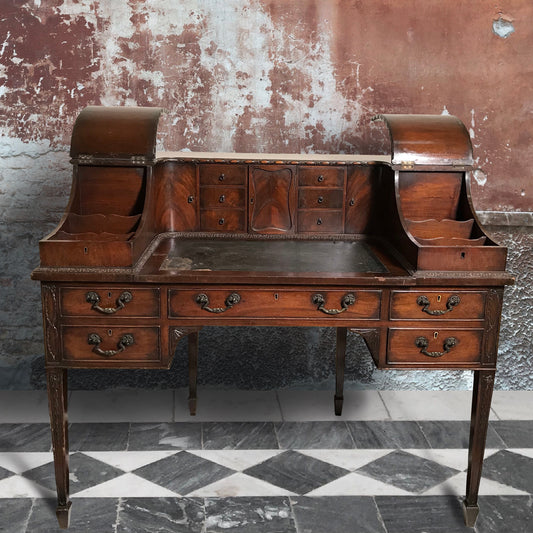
(214, 174)
(320, 220)
(321, 176)
(318, 198)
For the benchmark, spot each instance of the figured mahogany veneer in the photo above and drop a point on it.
(153, 247)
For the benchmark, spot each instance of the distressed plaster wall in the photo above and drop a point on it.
(259, 75)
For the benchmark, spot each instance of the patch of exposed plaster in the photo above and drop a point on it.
(503, 27)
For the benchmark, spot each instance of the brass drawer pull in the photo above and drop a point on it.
(233, 299)
(452, 302)
(93, 298)
(346, 301)
(95, 340)
(423, 343)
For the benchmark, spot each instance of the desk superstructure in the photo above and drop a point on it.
(154, 246)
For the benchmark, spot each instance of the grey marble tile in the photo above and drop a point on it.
(183, 472)
(296, 472)
(160, 515)
(84, 472)
(14, 513)
(387, 434)
(510, 469)
(422, 514)
(99, 437)
(87, 515)
(165, 436)
(505, 513)
(5, 473)
(317, 435)
(25, 438)
(341, 514)
(249, 515)
(454, 434)
(407, 471)
(239, 435)
(515, 433)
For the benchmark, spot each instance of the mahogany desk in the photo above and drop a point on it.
(153, 247)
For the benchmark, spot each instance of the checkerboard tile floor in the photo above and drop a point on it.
(379, 468)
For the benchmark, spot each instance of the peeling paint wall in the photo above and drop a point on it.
(252, 75)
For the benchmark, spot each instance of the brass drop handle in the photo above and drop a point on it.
(95, 340)
(203, 300)
(93, 298)
(319, 300)
(452, 302)
(423, 343)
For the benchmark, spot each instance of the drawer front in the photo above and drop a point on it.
(221, 197)
(222, 220)
(320, 220)
(319, 176)
(109, 302)
(211, 174)
(442, 346)
(313, 198)
(113, 343)
(265, 303)
(443, 305)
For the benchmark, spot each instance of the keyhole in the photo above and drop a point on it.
(110, 332)
(436, 334)
(109, 294)
(276, 296)
(86, 250)
(439, 298)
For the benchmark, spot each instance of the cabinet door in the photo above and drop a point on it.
(272, 199)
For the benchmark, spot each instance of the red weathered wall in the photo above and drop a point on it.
(280, 76)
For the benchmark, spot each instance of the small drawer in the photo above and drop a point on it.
(320, 221)
(435, 305)
(109, 302)
(112, 343)
(221, 197)
(319, 176)
(211, 174)
(222, 220)
(434, 347)
(311, 198)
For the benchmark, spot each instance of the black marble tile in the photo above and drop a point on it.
(239, 435)
(84, 472)
(499, 514)
(454, 434)
(422, 514)
(296, 472)
(183, 472)
(387, 434)
(341, 514)
(165, 436)
(5, 473)
(510, 469)
(25, 438)
(515, 433)
(318, 435)
(87, 515)
(249, 515)
(14, 513)
(407, 471)
(98, 437)
(160, 515)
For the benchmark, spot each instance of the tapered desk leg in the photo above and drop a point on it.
(193, 370)
(481, 398)
(57, 401)
(340, 357)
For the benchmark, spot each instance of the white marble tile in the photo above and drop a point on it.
(303, 406)
(239, 484)
(527, 452)
(129, 461)
(428, 405)
(452, 457)
(121, 406)
(236, 459)
(25, 406)
(348, 459)
(218, 405)
(19, 462)
(20, 487)
(357, 485)
(127, 485)
(513, 405)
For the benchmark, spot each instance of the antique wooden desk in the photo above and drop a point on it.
(154, 246)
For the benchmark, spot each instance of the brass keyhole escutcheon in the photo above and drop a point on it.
(439, 298)
(436, 334)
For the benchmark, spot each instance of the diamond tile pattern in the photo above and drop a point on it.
(5, 473)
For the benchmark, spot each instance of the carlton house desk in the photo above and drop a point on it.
(154, 246)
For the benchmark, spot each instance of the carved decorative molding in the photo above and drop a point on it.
(50, 312)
